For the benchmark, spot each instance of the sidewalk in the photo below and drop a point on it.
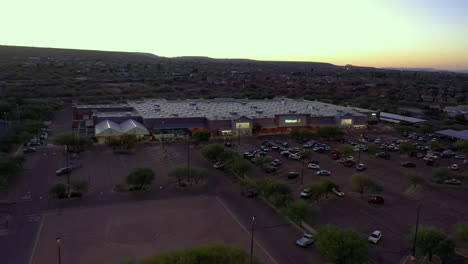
(409, 260)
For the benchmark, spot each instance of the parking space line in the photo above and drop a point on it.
(38, 234)
(245, 229)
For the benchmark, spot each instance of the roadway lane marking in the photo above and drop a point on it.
(39, 231)
(245, 229)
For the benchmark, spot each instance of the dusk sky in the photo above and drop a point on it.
(380, 33)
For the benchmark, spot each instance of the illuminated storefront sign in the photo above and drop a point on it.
(374, 114)
(243, 125)
(288, 121)
(346, 122)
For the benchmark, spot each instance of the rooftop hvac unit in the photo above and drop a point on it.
(259, 112)
(233, 113)
(292, 111)
(157, 109)
(253, 107)
(174, 115)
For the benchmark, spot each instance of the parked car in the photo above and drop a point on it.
(269, 169)
(360, 167)
(247, 192)
(342, 160)
(29, 150)
(337, 192)
(454, 167)
(324, 172)
(63, 171)
(453, 182)
(228, 144)
(349, 163)
(408, 164)
(294, 157)
(293, 174)
(306, 193)
(383, 155)
(376, 200)
(460, 156)
(305, 240)
(313, 166)
(335, 156)
(218, 165)
(285, 153)
(375, 237)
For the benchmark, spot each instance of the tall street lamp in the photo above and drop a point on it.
(188, 157)
(58, 248)
(416, 232)
(252, 239)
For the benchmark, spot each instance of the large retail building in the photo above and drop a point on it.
(221, 116)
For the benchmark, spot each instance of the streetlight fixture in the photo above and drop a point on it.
(58, 248)
(252, 239)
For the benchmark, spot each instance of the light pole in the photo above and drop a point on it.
(188, 157)
(252, 239)
(58, 248)
(416, 232)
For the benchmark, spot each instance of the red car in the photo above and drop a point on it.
(349, 163)
(376, 200)
(334, 152)
(335, 156)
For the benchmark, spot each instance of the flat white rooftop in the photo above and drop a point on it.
(229, 109)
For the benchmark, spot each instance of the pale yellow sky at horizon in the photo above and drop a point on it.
(387, 33)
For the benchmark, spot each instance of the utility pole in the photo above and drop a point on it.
(252, 239)
(6, 121)
(416, 232)
(58, 248)
(302, 172)
(18, 109)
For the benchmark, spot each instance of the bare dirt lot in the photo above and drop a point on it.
(442, 205)
(114, 233)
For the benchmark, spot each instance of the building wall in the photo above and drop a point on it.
(149, 123)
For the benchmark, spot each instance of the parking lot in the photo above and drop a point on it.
(442, 205)
(138, 230)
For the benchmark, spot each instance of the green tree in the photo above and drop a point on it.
(318, 189)
(140, 177)
(328, 186)
(201, 136)
(407, 148)
(432, 144)
(212, 152)
(79, 186)
(179, 173)
(330, 132)
(461, 145)
(298, 211)
(228, 155)
(262, 160)
(461, 231)
(425, 128)
(341, 246)
(372, 148)
(441, 174)
(238, 167)
(58, 190)
(73, 142)
(460, 118)
(212, 254)
(198, 175)
(362, 184)
(129, 141)
(345, 149)
(302, 135)
(415, 178)
(114, 143)
(430, 241)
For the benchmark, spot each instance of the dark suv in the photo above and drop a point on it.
(408, 164)
(293, 174)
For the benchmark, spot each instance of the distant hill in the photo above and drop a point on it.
(19, 53)
(423, 69)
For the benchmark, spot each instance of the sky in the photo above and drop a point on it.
(379, 33)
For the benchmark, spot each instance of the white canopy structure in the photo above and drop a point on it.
(107, 128)
(133, 127)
